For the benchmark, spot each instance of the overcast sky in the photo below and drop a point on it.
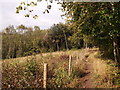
(9, 17)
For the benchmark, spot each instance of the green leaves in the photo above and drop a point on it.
(49, 6)
(30, 10)
(25, 6)
(17, 11)
(28, 4)
(35, 17)
(99, 21)
(19, 8)
(33, 4)
(22, 3)
(27, 15)
(46, 11)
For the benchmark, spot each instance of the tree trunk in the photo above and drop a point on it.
(65, 40)
(116, 51)
(57, 47)
(85, 45)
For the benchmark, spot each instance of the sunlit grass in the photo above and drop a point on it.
(28, 71)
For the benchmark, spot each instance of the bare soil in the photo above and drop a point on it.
(87, 80)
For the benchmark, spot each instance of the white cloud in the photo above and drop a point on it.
(9, 17)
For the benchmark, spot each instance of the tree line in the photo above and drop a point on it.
(87, 25)
(23, 41)
(98, 23)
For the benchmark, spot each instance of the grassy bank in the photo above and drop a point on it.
(27, 72)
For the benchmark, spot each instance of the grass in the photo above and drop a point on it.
(27, 72)
(105, 73)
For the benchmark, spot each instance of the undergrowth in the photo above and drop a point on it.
(29, 72)
(106, 74)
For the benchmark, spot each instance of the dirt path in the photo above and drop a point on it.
(87, 78)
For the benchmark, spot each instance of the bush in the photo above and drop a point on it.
(18, 75)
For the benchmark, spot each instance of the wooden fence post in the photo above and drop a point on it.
(69, 69)
(77, 57)
(45, 76)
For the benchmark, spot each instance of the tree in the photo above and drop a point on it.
(100, 21)
(28, 4)
(36, 28)
(8, 41)
(58, 34)
(22, 41)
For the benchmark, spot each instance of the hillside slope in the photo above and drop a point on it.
(88, 71)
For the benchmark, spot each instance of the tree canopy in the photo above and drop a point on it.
(96, 23)
(97, 20)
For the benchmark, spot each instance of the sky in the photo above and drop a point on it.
(8, 15)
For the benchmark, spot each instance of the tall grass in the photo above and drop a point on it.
(27, 72)
(105, 73)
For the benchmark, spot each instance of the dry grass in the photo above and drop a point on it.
(103, 72)
(23, 72)
(100, 68)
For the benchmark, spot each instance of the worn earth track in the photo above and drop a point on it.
(87, 78)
